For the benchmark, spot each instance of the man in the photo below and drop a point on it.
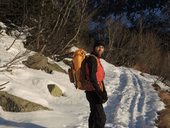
(98, 95)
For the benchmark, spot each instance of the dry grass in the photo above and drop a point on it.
(138, 49)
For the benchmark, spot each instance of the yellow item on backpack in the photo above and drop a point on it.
(77, 72)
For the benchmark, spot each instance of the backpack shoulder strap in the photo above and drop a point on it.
(92, 56)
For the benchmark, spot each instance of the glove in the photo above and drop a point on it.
(104, 97)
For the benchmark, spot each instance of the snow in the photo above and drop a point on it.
(132, 103)
(73, 49)
(3, 25)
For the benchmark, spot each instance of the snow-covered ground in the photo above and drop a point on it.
(132, 103)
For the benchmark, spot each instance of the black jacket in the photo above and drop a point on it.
(92, 66)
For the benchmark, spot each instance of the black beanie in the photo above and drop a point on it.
(99, 43)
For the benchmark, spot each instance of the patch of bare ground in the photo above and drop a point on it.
(163, 120)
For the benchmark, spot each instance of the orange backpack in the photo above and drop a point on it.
(77, 72)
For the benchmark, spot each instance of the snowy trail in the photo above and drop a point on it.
(129, 104)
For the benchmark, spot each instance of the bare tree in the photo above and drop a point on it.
(57, 25)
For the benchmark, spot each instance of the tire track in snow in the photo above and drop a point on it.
(114, 100)
(133, 107)
(127, 99)
(140, 123)
(149, 103)
(128, 106)
(138, 104)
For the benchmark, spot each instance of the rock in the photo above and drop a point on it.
(16, 104)
(36, 61)
(40, 62)
(54, 90)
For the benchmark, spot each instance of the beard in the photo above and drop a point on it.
(99, 54)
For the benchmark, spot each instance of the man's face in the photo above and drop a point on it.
(99, 50)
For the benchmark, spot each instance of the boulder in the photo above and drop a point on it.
(36, 61)
(40, 62)
(13, 103)
(54, 90)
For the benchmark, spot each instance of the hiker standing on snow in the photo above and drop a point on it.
(98, 95)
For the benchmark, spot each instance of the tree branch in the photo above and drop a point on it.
(4, 84)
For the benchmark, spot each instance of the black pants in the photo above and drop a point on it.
(97, 116)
